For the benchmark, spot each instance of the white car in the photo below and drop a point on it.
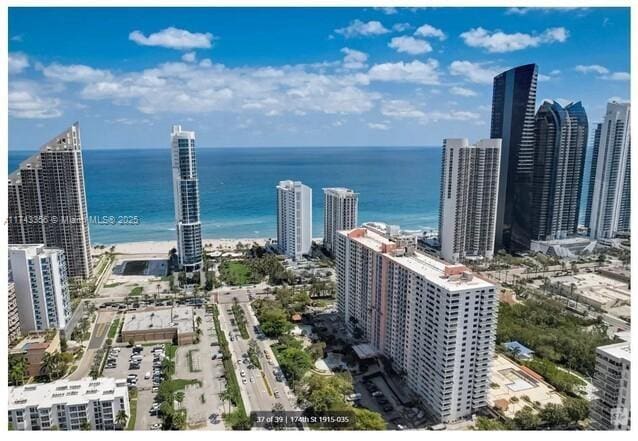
(147, 375)
(243, 380)
(252, 379)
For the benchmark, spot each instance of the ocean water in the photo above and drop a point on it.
(397, 185)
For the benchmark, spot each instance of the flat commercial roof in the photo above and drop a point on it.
(66, 392)
(180, 317)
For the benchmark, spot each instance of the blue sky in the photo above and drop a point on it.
(297, 76)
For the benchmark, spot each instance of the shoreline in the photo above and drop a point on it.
(163, 247)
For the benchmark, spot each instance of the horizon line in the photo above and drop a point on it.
(244, 147)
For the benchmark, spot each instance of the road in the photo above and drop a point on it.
(96, 341)
(286, 397)
(255, 393)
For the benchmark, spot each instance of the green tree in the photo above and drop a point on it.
(274, 322)
(365, 419)
(526, 419)
(577, 408)
(554, 415)
(17, 369)
(484, 423)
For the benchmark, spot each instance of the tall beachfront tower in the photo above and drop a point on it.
(340, 212)
(41, 287)
(468, 200)
(513, 107)
(611, 407)
(186, 198)
(559, 160)
(608, 203)
(435, 321)
(294, 218)
(47, 201)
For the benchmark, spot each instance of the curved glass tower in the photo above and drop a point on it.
(513, 106)
(186, 198)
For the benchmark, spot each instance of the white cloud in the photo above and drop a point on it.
(174, 38)
(542, 77)
(480, 73)
(17, 62)
(430, 31)
(525, 11)
(410, 45)
(358, 28)
(555, 72)
(378, 126)
(616, 76)
(401, 27)
(75, 73)
(354, 59)
(499, 42)
(462, 91)
(592, 68)
(388, 10)
(27, 101)
(401, 109)
(187, 88)
(413, 72)
(603, 72)
(189, 57)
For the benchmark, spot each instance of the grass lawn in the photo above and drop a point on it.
(113, 285)
(235, 273)
(133, 415)
(137, 291)
(115, 325)
(179, 384)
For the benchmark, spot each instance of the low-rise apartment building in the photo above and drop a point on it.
(68, 405)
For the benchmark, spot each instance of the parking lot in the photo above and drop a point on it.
(206, 370)
(145, 394)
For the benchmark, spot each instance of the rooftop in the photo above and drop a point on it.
(180, 317)
(340, 191)
(621, 351)
(44, 395)
(451, 277)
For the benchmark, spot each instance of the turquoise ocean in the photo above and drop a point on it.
(397, 185)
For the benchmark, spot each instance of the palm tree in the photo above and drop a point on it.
(121, 419)
(52, 365)
(225, 396)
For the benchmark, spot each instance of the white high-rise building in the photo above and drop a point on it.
(41, 285)
(469, 198)
(609, 199)
(294, 218)
(69, 405)
(611, 409)
(186, 199)
(340, 212)
(435, 321)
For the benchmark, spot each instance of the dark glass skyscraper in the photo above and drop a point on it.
(559, 158)
(513, 106)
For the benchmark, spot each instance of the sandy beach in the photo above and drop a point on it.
(162, 247)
